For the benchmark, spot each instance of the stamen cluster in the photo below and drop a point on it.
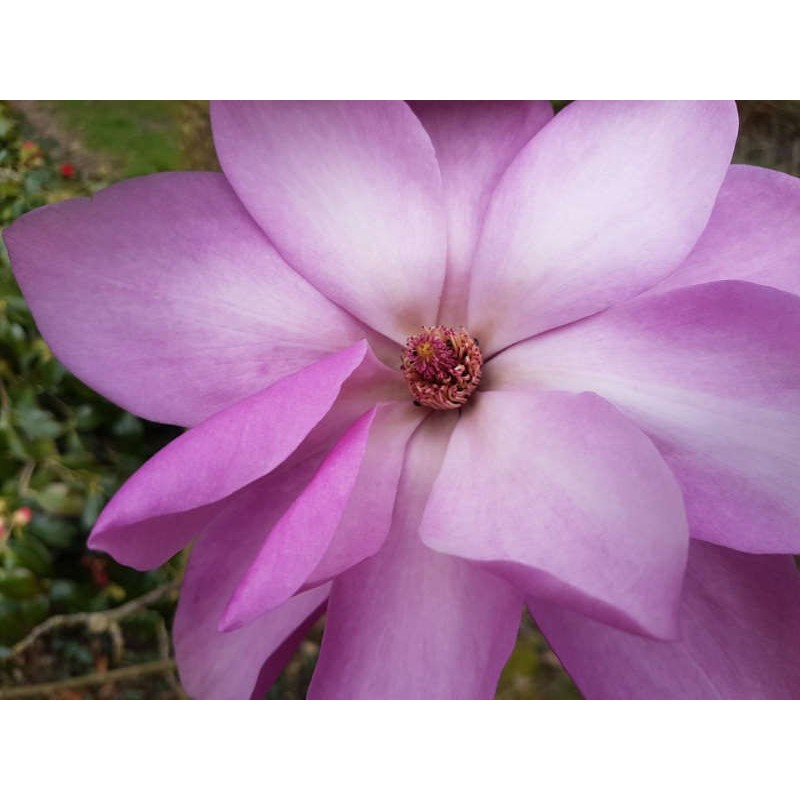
(442, 367)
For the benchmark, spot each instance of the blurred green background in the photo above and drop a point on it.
(64, 450)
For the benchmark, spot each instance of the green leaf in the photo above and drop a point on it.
(58, 498)
(29, 552)
(91, 508)
(36, 180)
(57, 533)
(127, 425)
(36, 423)
(18, 583)
(17, 617)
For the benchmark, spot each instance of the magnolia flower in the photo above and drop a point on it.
(441, 361)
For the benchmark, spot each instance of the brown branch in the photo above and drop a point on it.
(95, 621)
(92, 679)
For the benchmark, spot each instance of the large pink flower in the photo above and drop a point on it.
(629, 460)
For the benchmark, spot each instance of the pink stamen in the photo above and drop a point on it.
(442, 367)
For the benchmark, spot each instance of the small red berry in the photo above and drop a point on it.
(22, 516)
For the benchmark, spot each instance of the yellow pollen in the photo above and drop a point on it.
(425, 350)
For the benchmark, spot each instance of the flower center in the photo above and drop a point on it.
(442, 367)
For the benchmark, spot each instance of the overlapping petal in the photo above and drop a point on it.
(341, 517)
(740, 636)
(605, 200)
(241, 663)
(350, 194)
(163, 294)
(279, 660)
(169, 500)
(712, 373)
(475, 141)
(753, 233)
(411, 623)
(566, 498)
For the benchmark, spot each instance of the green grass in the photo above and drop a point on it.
(137, 136)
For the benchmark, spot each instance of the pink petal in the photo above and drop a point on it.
(350, 194)
(475, 141)
(753, 233)
(367, 517)
(564, 497)
(341, 517)
(162, 294)
(604, 201)
(165, 504)
(300, 538)
(275, 665)
(712, 373)
(410, 623)
(740, 636)
(232, 665)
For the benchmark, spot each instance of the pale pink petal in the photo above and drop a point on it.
(475, 141)
(740, 636)
(712, 374)
(350, 194)
(568, 500)
(411, 623)
(297, 542)
(341, 517)
(367, 517)
(606, 199)
(165, 504)
(275, 665)
(232, 665)
(162, 294)
(753, 233)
